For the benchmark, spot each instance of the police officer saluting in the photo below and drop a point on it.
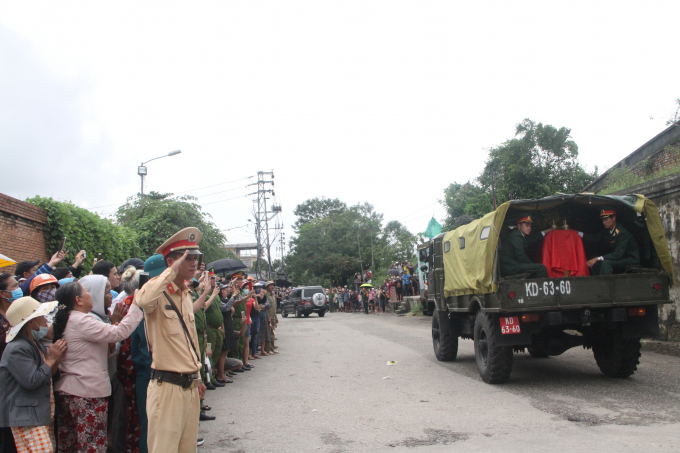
(621, 244)
(175, 388)
(513, 255)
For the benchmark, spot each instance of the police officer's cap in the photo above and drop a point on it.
(186, 239)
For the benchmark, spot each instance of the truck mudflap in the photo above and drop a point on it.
(519, 329)
(578, 292)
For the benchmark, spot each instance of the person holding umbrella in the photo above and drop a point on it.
(365, 296)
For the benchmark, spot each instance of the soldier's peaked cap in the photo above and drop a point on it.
(524, 218)
(607, 211)
(186, 239)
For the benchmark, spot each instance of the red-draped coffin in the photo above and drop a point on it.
(563, 254)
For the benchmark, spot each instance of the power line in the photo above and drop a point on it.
(220, 201)
(187, 191)
(426, 207)
(233, 228)
(221, 191)
(215, 185)
(420, 217)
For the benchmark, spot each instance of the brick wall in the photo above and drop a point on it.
(669, 157)
(21, 225)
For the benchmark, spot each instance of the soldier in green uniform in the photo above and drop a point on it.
(239, 314)
(513, 255)
(624, 250)
(201, 326)
(199, 317)
(213, 331)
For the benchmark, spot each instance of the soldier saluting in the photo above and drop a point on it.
(513, 255)
(624, 249)
(175, 389)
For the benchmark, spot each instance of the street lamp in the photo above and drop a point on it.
(141, 170)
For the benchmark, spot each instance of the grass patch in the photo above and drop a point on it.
(622, 178)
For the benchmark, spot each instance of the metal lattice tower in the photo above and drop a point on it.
(261, 220)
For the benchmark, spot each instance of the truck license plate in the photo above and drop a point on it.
(510, 325)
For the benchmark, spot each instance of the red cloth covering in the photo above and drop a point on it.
(563, 251)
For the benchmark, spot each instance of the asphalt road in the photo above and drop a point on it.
(330, 390)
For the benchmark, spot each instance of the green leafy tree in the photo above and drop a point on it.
(316, 208)
(465, 199)
(397, 244)
(330, 248)
(155, 217)
(87, 231)
(539, 161)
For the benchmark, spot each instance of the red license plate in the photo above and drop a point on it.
(510, 325)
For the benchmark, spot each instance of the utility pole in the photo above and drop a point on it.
(269, 254)
(261, 220)
(283, 253)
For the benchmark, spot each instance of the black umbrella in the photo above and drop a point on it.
(394, 272)
(226, 265)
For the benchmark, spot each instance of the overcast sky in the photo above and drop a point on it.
(379, 101)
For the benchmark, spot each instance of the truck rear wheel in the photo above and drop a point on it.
(617, 357)
(444, 340)
(493, 362)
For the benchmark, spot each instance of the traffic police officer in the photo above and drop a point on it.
(175, 388)
(513, 256)
(624, 249)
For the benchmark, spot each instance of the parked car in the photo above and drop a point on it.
(305, 301)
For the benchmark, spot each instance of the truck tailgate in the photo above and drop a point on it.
(576, 292)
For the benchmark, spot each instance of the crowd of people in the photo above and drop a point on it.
(104, 361)
(402, 281)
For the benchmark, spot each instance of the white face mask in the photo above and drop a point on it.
(40, 334)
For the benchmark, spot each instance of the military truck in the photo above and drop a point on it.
(507, 314)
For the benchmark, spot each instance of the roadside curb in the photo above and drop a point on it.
(661, 347)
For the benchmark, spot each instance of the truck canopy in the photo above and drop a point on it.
(469, 252)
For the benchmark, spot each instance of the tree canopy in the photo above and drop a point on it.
(155, 217)
(316, 208)
(334, 241)
(540, 160)
(85, 230)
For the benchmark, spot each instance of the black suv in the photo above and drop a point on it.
(304, 301)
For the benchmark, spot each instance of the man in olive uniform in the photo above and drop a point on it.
(214, 335)
(623, 248)
(201, 325)
(175, 389)
(239, 314)
(271, 314)
(513, 255)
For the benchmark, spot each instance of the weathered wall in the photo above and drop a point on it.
(649, 150)
(22, 226)
(665, 193)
